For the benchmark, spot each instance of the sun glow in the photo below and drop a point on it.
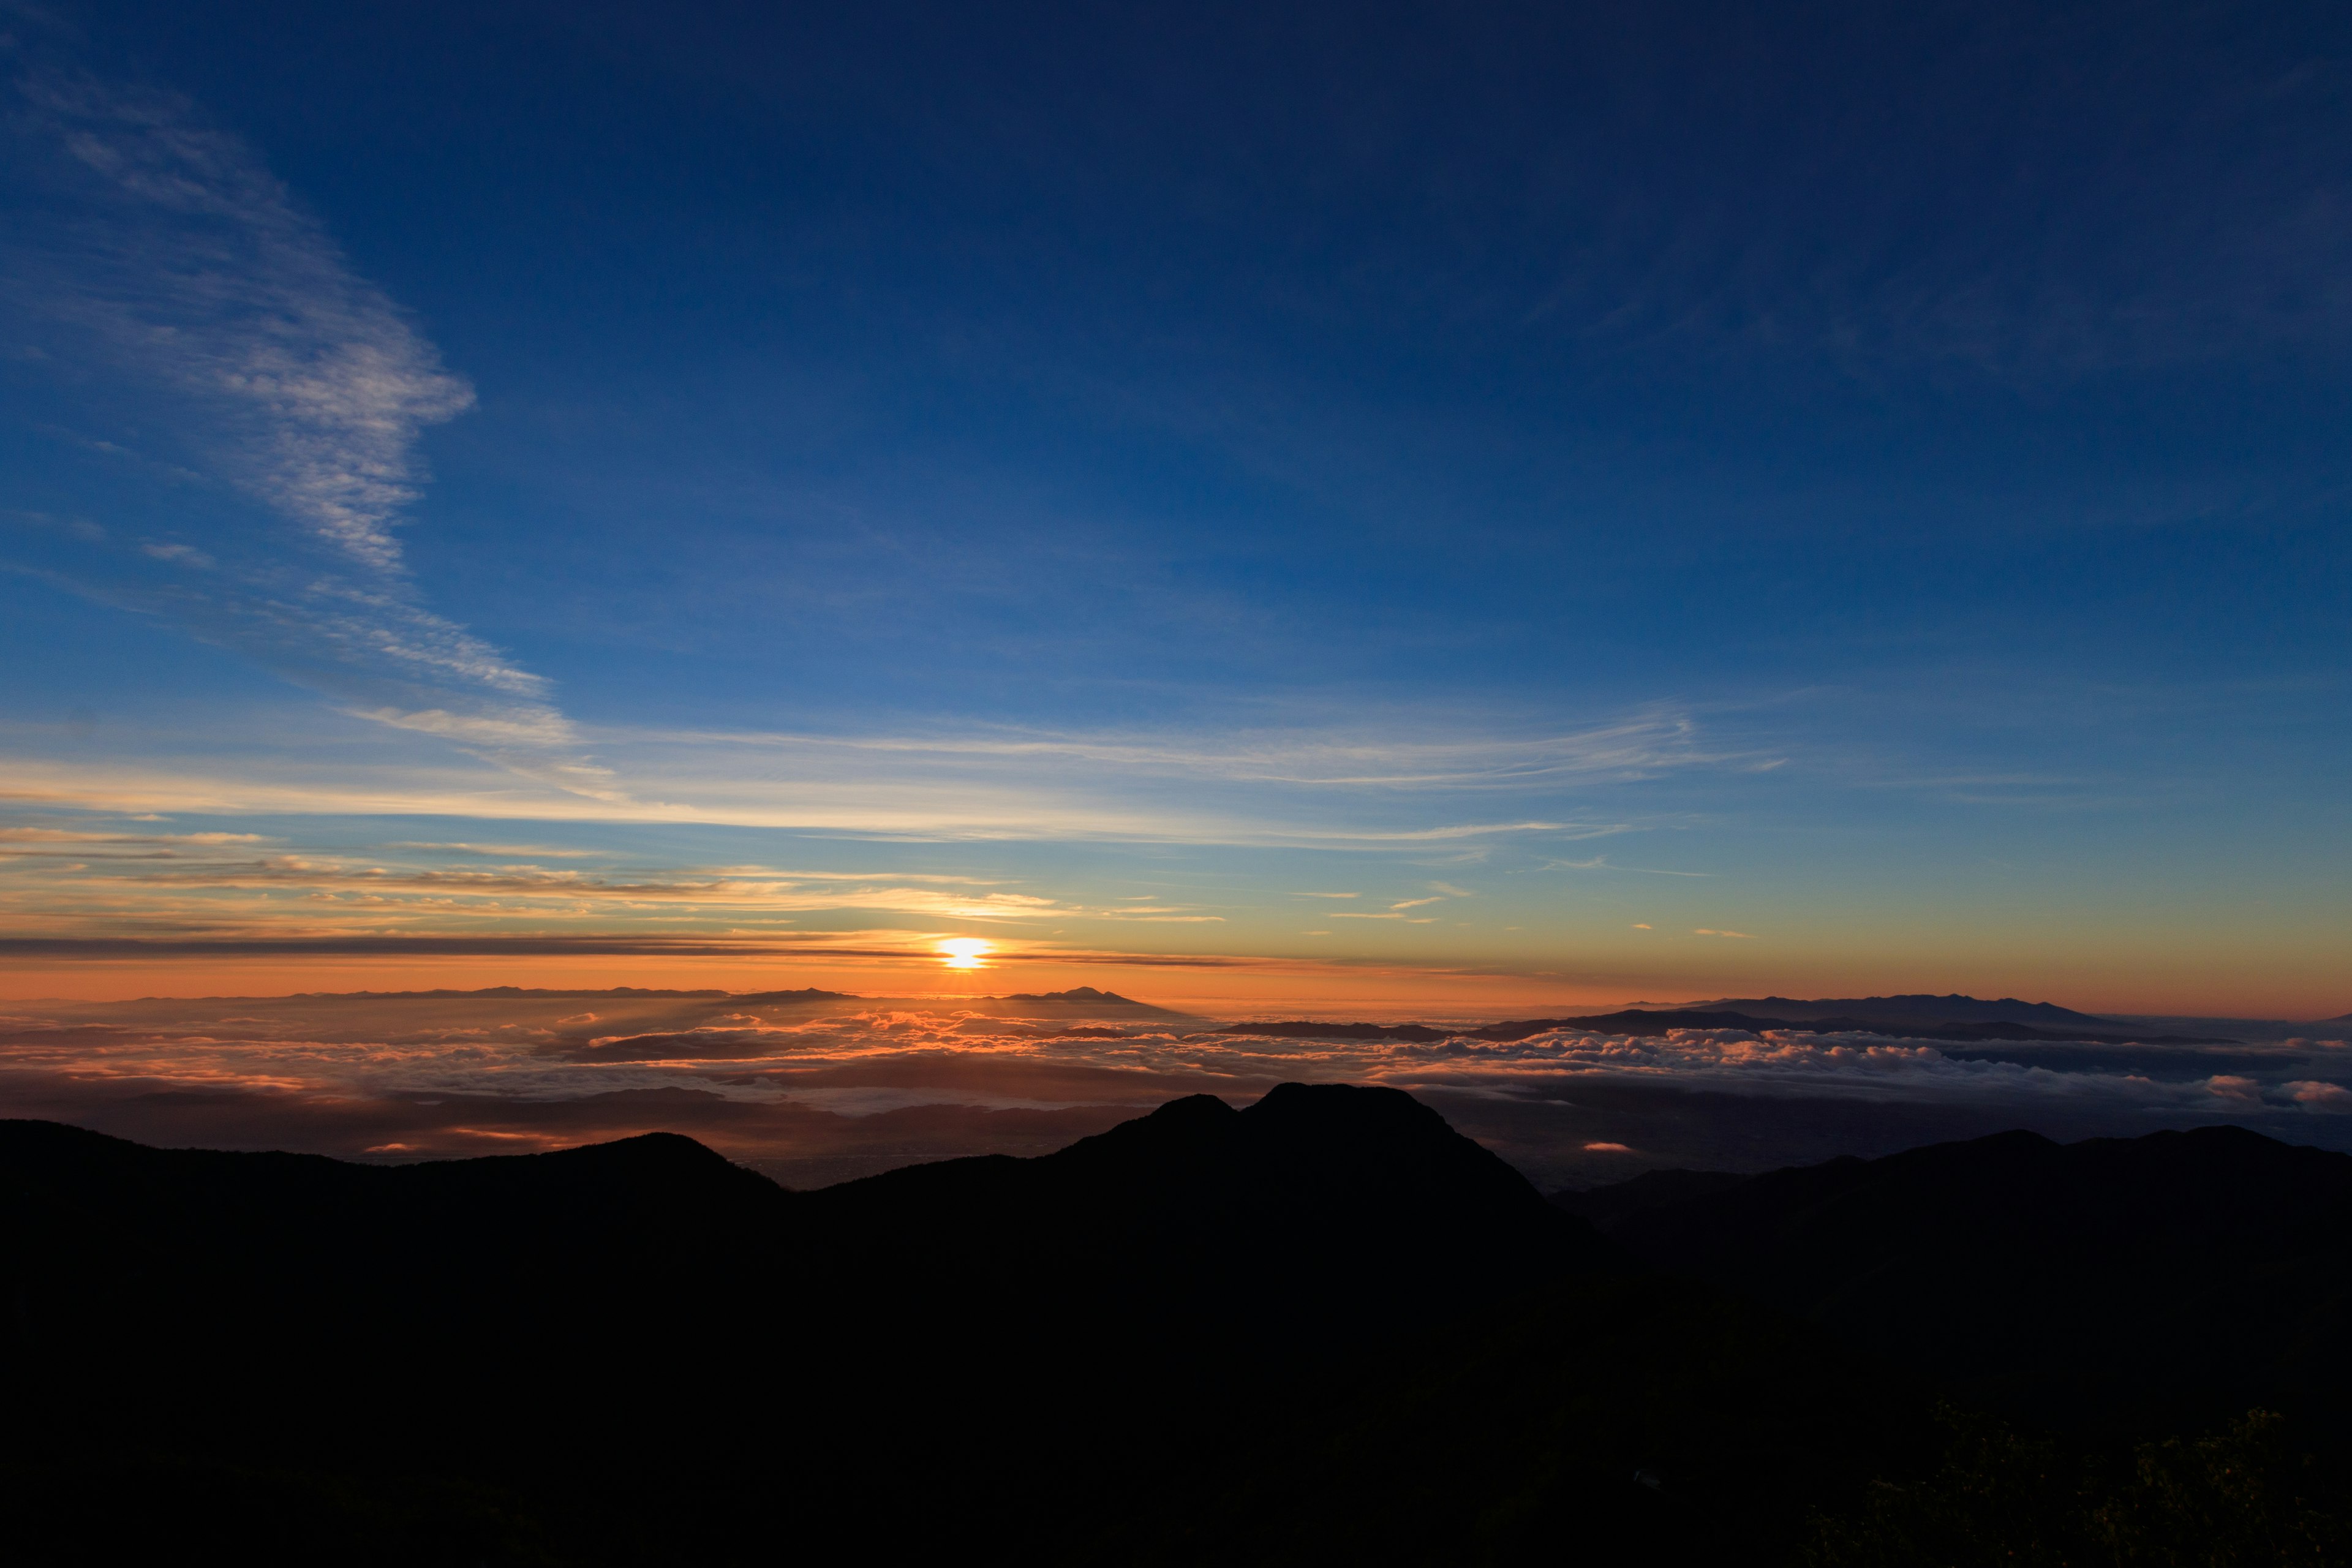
(965, 952)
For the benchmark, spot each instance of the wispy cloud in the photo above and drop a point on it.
(311, 888)
(1015, 806)
(166, 262)
(1641, 744)
(58, 882)
(1602, 863)
(54, 843)
(535, 851)
(488, 944)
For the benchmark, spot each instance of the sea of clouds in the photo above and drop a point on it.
(821, 1089)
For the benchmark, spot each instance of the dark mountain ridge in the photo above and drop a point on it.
(588, 1329)
(1316, 1190)
(1322, 1201)
(1914, 1007)
(2042, 1276)
(1638, 1021)
(1075, 993)
(1322, 1329)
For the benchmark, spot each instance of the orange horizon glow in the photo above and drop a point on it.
(1207, 983)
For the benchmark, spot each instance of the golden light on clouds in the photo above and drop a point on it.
(965, 952)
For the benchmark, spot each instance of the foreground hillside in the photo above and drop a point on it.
(1324, 1329)
(2176, 1277)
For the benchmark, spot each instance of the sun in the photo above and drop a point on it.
(965, 952)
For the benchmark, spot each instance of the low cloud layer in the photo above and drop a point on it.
(821, 1089)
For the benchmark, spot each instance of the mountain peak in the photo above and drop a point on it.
(1075, 993)
(1915, 1006)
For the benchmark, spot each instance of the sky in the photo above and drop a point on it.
(1337, 510)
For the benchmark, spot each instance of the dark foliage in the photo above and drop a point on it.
(2241, 1497)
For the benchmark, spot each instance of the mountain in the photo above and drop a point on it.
(1326, 1328)
(650, 1349)
(1078, 1002)
(1916, 1009)
(1609, 1206)
(1327, 1194)
(1914, 1028)
(806, 993)
(1656, 1023)
(1323, 1203)
(2049, 1279)
(1075, 993)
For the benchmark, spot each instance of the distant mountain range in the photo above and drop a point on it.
(1640, 1022)
(1326, 1328)
(1078, 1002)
(1075, 993)
(1920, 1008)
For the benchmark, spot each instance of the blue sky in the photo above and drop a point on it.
(1870, 482)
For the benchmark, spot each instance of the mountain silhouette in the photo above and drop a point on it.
(1325, 1327)
(2179, 1274)
(644, 1314)
(1640, 1022)
(1315, 1196)
(1913, 1008)
(1350, 1205)
(1075, 993)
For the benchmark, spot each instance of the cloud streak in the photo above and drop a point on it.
(1013, 804)
(1641, 744)
(166, 265)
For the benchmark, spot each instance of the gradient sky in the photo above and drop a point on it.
(1375, 505)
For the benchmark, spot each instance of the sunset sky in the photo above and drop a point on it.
(1349, 509)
